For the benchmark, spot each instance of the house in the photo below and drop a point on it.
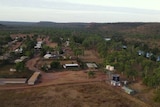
(3, 57)
(158, 59)
(148, 54)
(141, 53)
(128, 90)
(107, 39)
(13, 80)
(24, 58)
(47, 56)
(18, 50)
(115, 83)
(40, 42)
(38, 45)
(12, 70)
(70, 66)
(115, 80)
(124, 47)
(91, 65)
(110, 68)
(18, 60)
(67, 43)
(34, 78)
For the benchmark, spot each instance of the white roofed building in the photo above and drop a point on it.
(70, 65)
(47, 56)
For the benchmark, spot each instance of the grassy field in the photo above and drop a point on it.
(6, 73)
(84, 95)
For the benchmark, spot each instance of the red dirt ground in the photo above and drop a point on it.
(13, 36)
(49, 43)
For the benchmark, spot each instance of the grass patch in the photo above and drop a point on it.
(6, 73)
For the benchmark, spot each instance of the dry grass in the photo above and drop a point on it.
(84, 95)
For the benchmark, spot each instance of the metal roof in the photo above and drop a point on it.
(91, 65)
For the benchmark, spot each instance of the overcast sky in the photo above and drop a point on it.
(80, 10)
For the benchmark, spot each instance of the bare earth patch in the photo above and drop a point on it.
(20, 35)
(50, 44)
(91, 56)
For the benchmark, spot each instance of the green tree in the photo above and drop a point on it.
(20, 66)
(55, 65)
(152, 79)
(29, 53)
(78, 52)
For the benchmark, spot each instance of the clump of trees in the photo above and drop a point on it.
(45, 49)
(5, 39)
(54, 65)
(20, 66)
(28, 49)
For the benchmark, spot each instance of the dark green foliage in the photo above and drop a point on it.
(55, 65)
(29, 53)
(5, 39)
(157, 96)
(153, 79)
(30, 44)
(57, 40)
(4, 62)
(81, 63)
(45, 68)
(117, 38)
(45, 49)
(20, 66)
(78, 39)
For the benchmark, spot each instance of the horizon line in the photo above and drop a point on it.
(18, 21)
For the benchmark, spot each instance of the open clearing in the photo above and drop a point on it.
(13, 36)
(75, 95)
(50, 44)
(91, 56)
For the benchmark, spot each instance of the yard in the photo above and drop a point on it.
(4, 70)
(6, 73)
(91, 56)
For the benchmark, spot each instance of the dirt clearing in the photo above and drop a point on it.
(91, 56)
(50, 44)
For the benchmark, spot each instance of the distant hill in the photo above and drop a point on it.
(2, 25)
(44, 24)
(114, 26)
(150, 29)
(126, 28)
(146, 29)
(10, 23)
(64, 25)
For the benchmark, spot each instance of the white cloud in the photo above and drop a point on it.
(143, 4)
(80, 10)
